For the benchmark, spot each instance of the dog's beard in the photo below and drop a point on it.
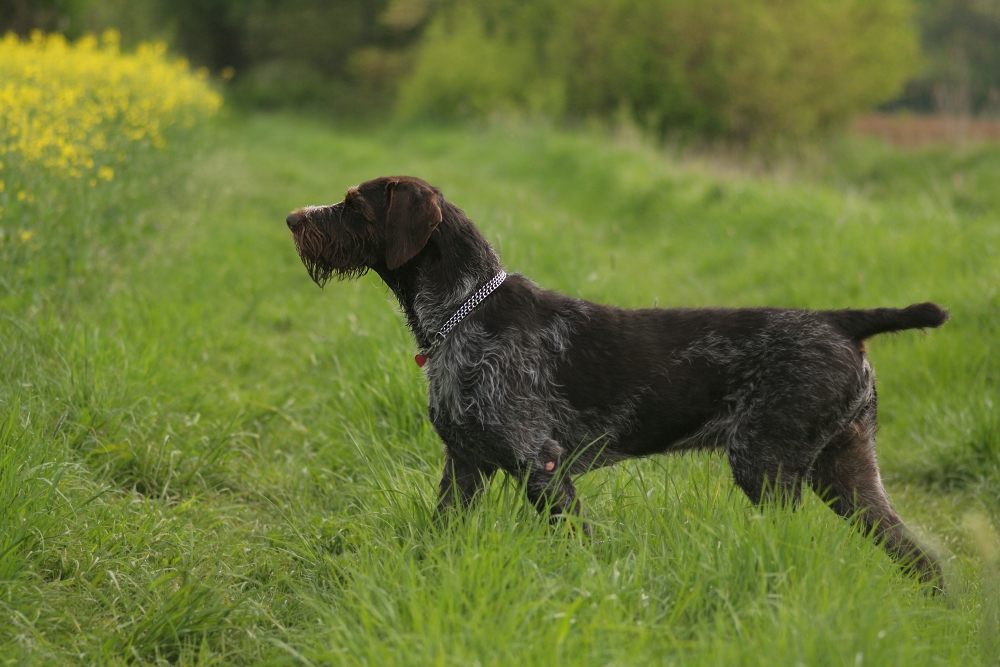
(322, 258)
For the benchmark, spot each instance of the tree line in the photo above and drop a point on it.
(737, 69)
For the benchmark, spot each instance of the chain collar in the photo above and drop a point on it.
(463, 312)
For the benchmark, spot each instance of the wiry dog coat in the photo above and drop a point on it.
(544, 386)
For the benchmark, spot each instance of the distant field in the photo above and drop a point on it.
(919, 130)
(204, 459)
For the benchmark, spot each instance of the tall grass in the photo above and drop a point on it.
(208, 460)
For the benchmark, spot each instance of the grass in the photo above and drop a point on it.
(206, 460)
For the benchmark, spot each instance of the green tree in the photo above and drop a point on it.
(477, 58)
(742, 70)
(23, 16)
(961, 39)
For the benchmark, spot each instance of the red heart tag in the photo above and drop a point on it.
(421, 359)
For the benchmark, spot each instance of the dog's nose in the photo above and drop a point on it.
(294, 219)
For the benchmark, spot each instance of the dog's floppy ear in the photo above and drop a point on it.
(412, 217)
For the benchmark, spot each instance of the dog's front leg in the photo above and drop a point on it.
(461, 481)
(549, 486)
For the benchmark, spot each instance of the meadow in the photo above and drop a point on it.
(205, 459)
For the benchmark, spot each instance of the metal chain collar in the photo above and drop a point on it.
(469, 305)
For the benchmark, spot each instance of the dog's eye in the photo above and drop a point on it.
(356, 209)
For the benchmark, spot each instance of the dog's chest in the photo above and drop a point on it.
(496, 376)
(506, 384)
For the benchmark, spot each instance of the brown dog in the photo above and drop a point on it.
(545, 386)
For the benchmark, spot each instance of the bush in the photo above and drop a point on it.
(75, 120)
(468, 67)
(741, 70)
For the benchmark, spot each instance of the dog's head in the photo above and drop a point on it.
(382, 224)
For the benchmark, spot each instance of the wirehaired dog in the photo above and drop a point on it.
(545, 386)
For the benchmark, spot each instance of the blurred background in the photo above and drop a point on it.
(718, 69)
(205, 459)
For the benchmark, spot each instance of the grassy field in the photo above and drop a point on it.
(204, 459)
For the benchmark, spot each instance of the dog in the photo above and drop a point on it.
(546, 386)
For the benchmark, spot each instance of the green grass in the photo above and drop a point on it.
(204, 459)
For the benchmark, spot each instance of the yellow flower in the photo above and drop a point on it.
(26, 235)
(68, 107)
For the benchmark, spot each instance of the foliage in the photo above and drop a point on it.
(466, 71)
(741, 70)
(24, 16)
(720, 67)
(340, 56)
(344, 57)
(73, 116)
(961, 40)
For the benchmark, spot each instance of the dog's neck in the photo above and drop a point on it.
(456, 262)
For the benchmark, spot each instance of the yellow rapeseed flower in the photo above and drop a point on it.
(69, 106)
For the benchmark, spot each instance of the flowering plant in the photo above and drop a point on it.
(75, 115)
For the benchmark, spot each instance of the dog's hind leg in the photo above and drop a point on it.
(776, 432)
(461, 481)
(770, 457)
(846, 476)
(764, 475)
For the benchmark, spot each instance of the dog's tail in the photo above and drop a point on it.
(862, 324)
